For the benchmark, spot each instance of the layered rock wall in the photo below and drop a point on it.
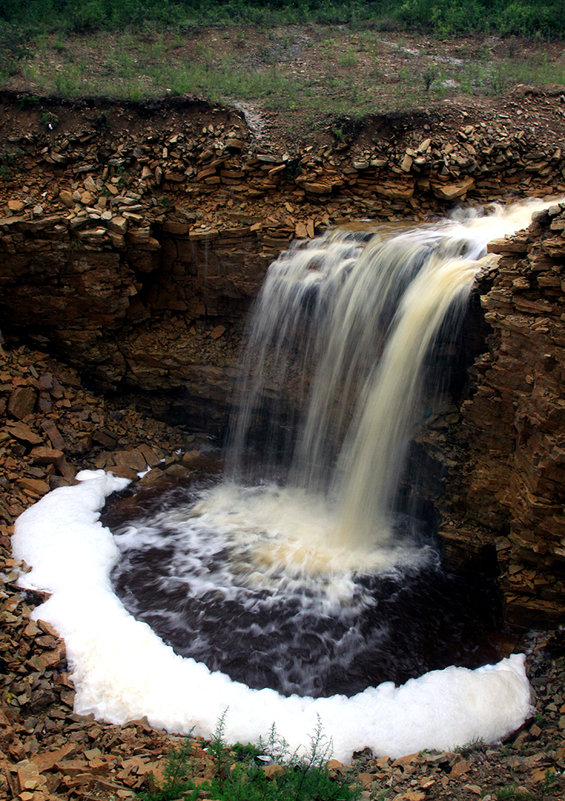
(147, 314)
(506, 484)
(133, 238)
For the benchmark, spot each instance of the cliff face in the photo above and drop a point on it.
(134, 249)
(506, 482)
(155, 313)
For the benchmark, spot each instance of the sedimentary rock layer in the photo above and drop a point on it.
(506, 482)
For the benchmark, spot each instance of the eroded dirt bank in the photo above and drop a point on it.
(133, 241)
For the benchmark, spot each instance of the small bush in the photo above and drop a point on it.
(239, 777)
(176, 782)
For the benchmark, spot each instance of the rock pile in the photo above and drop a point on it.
(193, 153)
(51, 428)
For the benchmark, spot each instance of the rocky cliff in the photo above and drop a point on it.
(506, 480)
(133, 238)
(133, 241)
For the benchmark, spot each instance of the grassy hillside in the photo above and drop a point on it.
(293, 57)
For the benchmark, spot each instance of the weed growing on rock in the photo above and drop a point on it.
(472, 747)
(513, 793)
(429, 76)
(48, 120)
(176, 782)
(238, 774)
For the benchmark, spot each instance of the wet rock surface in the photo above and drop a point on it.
(48, 753)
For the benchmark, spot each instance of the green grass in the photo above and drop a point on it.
(513, 793)
(349, 73)
(347, 59)
(131, 71)
(237, 776)
(496, 77)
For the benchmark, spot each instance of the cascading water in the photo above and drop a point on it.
(346, 326)
(299, 570)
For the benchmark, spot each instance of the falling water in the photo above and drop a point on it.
(303, 546)
(339, 341)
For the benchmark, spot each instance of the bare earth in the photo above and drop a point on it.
(297, 83)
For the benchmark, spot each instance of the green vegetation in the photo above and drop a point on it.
(446, 17)
(513, 793)
(544, 791)
(347, 73)
(237, 776)
(291, 61)
(13, 45)
(472, 747)
(9, 160)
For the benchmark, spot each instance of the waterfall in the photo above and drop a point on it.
(372, 462)
(340, 342)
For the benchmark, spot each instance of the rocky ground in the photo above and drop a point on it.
(52, 427)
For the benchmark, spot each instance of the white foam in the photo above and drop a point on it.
(123, 671)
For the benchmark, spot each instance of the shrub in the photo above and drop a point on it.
(239, 777)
